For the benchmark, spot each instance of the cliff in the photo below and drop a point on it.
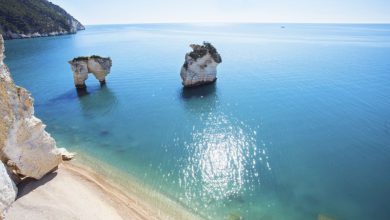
(35, 18)
(200, 65)
(26, 149)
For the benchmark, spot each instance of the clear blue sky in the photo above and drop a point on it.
(147, 11)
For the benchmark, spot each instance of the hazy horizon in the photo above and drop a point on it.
(89, 12)
(208, 23)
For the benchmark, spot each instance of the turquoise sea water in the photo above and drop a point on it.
(297, 124)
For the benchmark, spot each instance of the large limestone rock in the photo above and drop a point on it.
(200, 66)
(25, 147)
(8, 190)
(98, 66)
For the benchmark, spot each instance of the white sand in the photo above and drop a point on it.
(75, 193)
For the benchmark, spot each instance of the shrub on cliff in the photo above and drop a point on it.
(201, 50)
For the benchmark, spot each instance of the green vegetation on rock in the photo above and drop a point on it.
(34, 18)
(201, 50)
(81, 58)
(85, 58)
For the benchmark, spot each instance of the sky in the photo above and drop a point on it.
(280, 11)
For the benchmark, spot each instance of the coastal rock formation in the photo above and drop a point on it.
(23, 141)
(98, 66)
(8, 190)
(25, 147)
(35, 18)
(200, 66)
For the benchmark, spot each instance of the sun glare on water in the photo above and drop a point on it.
(224, 160)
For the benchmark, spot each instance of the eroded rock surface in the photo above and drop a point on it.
(200, 65)
(98, 66)
(8, 190)
(26, 148)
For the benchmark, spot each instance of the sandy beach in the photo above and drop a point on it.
(74, 192)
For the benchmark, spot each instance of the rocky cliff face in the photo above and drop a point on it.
(26, 149)
(100, 67)
(35, 18)
(200, 65)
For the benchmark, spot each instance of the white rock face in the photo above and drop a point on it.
(100, 67)
(80, 72)
(8, 190)
(200, 66)
(25, 146)
(31, 148)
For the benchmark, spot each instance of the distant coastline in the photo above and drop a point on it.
(35, 18)
(15, 36)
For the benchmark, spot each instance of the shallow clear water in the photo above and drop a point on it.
(297, 124)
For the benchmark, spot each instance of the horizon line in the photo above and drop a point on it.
(243, 22)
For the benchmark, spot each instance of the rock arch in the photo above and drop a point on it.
(82, 66)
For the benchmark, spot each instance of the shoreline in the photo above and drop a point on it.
(15, 36)
(99, 196)
(133, 188)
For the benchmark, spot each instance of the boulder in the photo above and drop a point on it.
(200, 65)
(66, 155)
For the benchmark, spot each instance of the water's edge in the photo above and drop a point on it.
(134, 189)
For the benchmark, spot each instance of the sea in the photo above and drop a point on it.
(297, 126)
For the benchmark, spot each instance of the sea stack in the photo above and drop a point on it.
(200, 65)
(98, 66)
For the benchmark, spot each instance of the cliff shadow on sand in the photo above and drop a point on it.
(29, 184)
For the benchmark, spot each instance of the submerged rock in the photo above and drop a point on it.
(104, 133)
(200, 65)
(8, 190)
(100, 67)
(234, 216)
(323, 217)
